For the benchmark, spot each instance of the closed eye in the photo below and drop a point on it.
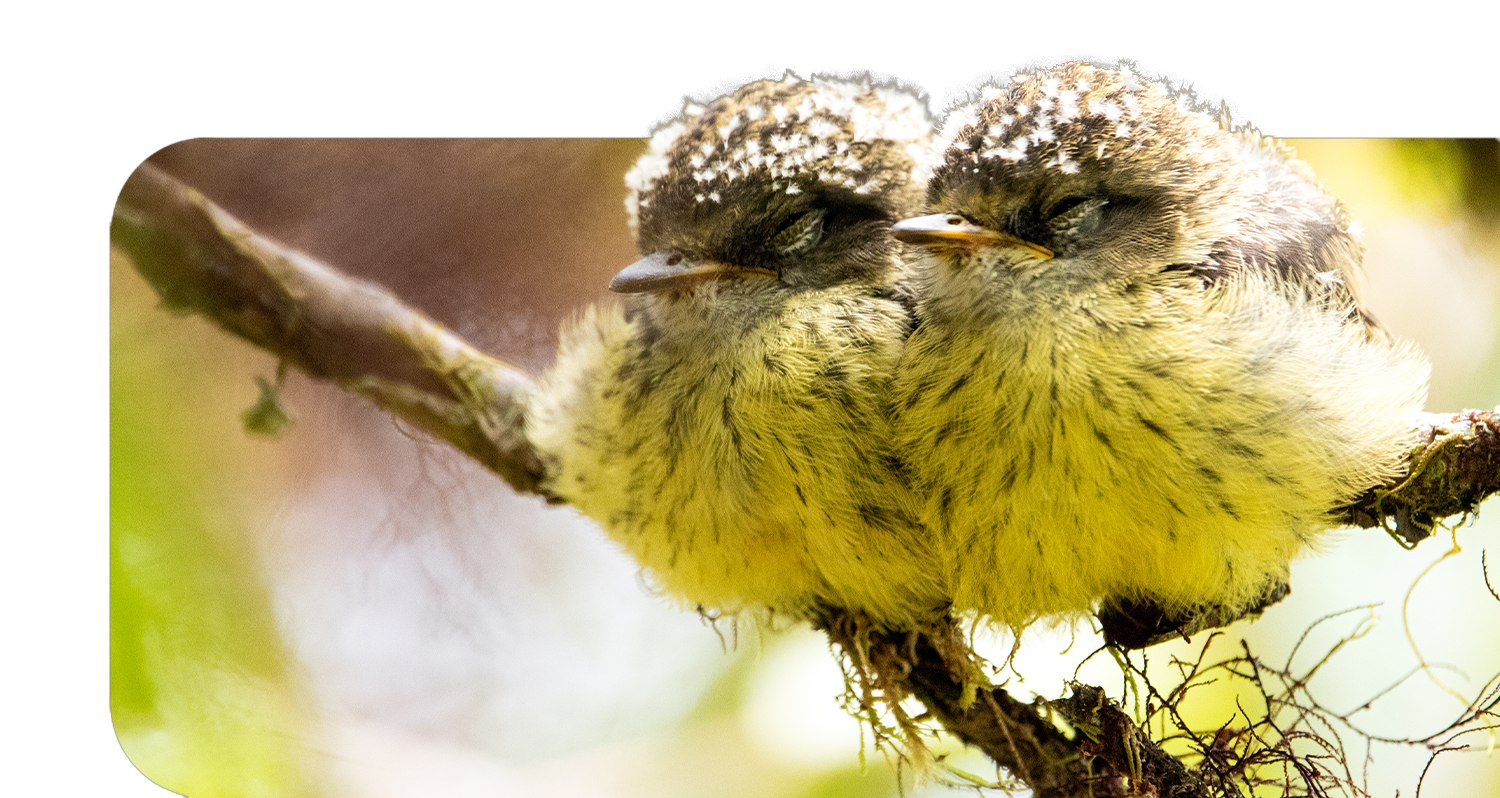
(1064, 205)
(799, 233)
(1077, 217)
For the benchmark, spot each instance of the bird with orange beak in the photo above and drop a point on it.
(1141, 381)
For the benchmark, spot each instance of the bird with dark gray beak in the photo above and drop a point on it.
(731, 426)
(1142, 380)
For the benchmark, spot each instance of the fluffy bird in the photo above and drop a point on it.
(1141, 378)
(730, 427)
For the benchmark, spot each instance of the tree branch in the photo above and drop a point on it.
(1106, 756)
(202, 260)
(1455, 467)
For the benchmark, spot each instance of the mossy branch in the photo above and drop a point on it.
(1083, 745)
(1455, 466)
(200, 259)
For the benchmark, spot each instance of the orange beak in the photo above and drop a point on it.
(952, 232)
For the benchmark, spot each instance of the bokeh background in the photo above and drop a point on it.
(351, 610)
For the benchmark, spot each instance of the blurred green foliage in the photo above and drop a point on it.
(201, 685)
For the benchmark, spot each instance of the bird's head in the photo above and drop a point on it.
(1085, 173)
(786, 183)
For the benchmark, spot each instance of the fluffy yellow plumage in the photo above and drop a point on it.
(1140, 373)
(1139, 377)
(730, 428)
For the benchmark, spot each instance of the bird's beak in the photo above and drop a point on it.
(666, 270)
(949, 231)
